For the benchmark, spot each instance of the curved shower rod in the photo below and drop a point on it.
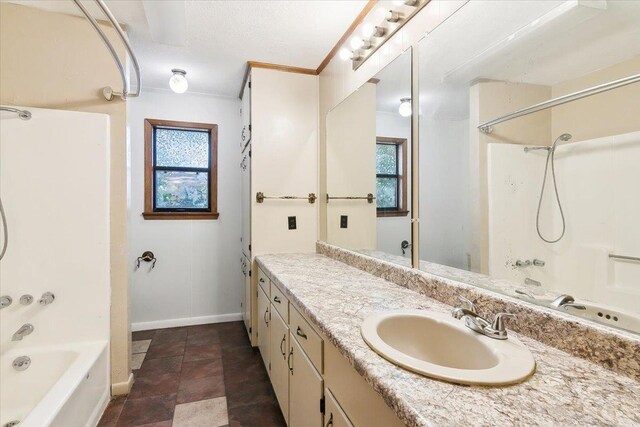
(108, 92)
(23, 114)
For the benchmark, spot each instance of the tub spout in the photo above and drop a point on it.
(24, 330)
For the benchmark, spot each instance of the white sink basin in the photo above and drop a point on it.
(439, 346)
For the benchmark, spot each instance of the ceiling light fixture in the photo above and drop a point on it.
(178, 81)
(405, 107)
(392, 16)
(367, 30)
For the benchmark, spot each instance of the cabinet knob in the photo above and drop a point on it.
(289, 361)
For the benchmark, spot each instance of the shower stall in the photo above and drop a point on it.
(597, 179)
(54, 276)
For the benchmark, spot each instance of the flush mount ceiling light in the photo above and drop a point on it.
(178, 81)
(405, 107)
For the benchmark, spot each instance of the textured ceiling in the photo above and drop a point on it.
(221, 36)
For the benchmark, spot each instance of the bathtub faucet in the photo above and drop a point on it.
(565, 301)
(25, 329)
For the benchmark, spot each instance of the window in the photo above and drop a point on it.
(181, 171)
(391, 176)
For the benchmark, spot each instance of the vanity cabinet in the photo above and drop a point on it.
(279, 157)
(263, 327)
(279, 344)
(305, 389)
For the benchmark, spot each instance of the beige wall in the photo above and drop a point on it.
(51, 60)
(609, 113)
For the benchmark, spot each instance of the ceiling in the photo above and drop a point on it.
(219, 37)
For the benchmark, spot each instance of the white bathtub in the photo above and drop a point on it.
(65, 386)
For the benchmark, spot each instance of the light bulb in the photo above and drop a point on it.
(398, 2)
(367, 30)
(344, 54)
(356, 43)
(178, 81)
(405, 107)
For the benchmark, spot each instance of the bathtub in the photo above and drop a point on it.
(65, 385)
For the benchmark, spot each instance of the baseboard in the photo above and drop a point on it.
(185, 321)
(119, 389)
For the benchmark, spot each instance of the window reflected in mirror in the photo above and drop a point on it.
(368, 166)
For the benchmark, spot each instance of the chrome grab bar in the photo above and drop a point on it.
(624, 257)
(369, 198)
(108, 92)
(486, 127)
(311, 198)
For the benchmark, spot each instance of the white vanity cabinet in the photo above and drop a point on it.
(279, 158)
(263, 326)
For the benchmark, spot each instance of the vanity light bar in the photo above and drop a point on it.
(393, 21)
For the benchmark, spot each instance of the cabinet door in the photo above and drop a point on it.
(245, 201)
(279, 370)
(305, 389)
(246, 301)
(334, 415)
(263, 327)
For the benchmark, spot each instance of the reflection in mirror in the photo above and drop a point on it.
(368, 166)
(543, 207)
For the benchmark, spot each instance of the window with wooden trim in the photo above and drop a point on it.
(181, 170)
(391, 176)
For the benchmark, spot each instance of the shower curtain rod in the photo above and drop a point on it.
(108, 92)
(23, 114)
(486, 127)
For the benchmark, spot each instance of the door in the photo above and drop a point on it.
(263, 327)
(334, 415)
(305, 389)
(246, 299)
(245, 197)
(279, 370)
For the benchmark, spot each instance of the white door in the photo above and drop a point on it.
(305, 389)
(279, 370)
(263, 327)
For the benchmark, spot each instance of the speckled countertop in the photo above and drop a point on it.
(565, 390)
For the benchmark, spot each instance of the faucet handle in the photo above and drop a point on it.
(468, 304)
(498, 321)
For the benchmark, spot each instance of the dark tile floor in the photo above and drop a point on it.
(196, 376)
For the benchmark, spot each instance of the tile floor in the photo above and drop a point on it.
(196, 376)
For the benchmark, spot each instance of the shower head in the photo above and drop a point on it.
(565, 137)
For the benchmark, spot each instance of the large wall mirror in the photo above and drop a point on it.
(368, 145)
(544, 207)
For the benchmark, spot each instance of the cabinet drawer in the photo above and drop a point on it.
(334, 416)
(280, 302)
(263, 281)
(309, 340)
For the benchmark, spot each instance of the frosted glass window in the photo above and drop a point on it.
(180, 147)
(180, 170)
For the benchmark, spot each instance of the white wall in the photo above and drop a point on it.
(391, 231)
(54, 179)
(197, 278)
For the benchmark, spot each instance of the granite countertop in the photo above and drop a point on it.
(565, 390)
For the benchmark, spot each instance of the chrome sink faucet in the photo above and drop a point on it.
(565, 301)
(24, 330)
(472, 320)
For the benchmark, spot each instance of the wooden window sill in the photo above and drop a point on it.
(382, 214)
(180, 215)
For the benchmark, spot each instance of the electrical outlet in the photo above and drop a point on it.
(343, 221)
(292, 223)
